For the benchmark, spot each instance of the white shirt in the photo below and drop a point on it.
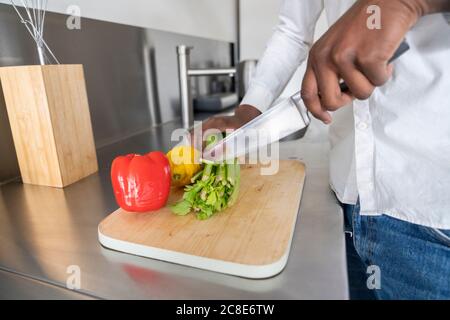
(392, 150)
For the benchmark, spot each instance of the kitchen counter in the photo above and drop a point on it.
(44, 230)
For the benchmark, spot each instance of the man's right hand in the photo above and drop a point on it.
(243, 114)
(358, 55)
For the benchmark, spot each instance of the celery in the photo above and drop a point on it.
(197, 176)
(221, 173)
(231, 174)
(214, 189)
(207, 172)
(182, 208)
(237, 184)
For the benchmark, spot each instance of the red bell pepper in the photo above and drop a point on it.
(141, 182)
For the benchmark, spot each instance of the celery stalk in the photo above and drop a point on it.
(196, 176)
(231, 174)
(221, 173)
(213, 189)
(237, 184)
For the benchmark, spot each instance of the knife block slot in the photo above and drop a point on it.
(49, 116)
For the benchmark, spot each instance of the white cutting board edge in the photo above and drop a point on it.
(236, 269)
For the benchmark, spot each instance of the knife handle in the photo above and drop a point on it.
(404, 46)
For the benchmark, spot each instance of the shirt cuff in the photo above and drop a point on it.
(258, 97)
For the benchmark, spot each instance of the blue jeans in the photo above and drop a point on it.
(404, 260)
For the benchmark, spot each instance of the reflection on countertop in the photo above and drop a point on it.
(44, 230)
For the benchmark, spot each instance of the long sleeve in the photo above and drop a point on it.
(285, 51)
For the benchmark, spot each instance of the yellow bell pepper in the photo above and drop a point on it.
(184, 164)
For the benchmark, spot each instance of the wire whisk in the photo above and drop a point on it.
(33, 17)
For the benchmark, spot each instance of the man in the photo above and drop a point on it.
(390, 134)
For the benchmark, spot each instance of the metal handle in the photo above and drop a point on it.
(187, 110)
(404, 47)
(184, 74)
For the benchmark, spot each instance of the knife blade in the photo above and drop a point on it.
(287, 117)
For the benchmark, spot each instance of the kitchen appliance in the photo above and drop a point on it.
(250, 239)
(280, 121)
(185, 73)
(215, 102)
(246, 71)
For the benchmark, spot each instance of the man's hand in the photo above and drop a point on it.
(242, 115)
(353, 52)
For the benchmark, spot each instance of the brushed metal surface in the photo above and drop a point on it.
(44, 230)
(212, 72)
(184, 83)
(18, 287)
(131, 73)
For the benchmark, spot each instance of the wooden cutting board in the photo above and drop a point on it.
(251, 239)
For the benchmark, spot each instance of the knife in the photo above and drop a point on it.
(278, 122)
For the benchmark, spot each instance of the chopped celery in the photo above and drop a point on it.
(197, 176)
(213, 189)
(182, 208)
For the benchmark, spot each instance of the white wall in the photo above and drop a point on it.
(213, 19)
(258, 18)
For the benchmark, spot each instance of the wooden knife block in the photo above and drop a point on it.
(50, 122)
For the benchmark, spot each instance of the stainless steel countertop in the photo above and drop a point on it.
(17, 287)
(45, 230)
